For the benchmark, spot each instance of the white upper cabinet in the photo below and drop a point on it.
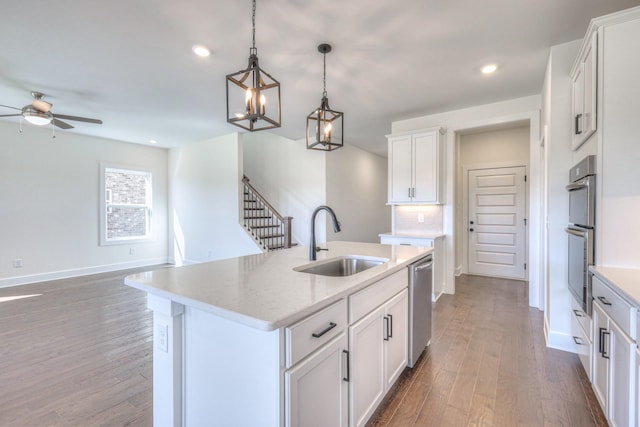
(585, 83)
(415, 167)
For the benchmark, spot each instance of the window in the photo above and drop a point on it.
(126, 205)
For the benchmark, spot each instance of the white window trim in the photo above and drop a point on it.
(104, 241)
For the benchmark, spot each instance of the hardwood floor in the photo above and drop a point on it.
(80, 354)
(487, 365)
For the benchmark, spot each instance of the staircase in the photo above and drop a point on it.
(269, 229)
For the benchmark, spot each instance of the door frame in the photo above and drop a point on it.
(465, 208)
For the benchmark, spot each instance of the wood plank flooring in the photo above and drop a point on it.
(488, 365)
(80, 354)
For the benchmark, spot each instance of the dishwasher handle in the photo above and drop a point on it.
(424, 266)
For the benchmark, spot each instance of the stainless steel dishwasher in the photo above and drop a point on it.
(420, 297)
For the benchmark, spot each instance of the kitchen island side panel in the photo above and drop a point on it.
(232, 372)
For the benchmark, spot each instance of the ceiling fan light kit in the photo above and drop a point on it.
(325, 127)
(253, 95)
(38, 113)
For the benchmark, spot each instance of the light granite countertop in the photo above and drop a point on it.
(626, 281)
(263, 291)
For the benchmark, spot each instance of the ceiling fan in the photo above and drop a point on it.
(39, 113)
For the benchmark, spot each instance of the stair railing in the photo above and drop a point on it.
(271, 230)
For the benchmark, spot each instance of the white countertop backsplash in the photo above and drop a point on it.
(263, 291)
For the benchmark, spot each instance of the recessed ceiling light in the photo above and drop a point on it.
(201, 50)
(153, 141)
(488, 69)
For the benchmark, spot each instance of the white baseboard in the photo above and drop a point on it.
(75, 272)
(458, 270)
(558, 340)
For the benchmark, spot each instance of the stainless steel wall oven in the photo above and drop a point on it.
(581, 250)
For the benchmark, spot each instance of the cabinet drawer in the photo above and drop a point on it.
(369, 298)
(582, 318)
(310, 333)
(623, 313)
(582, 344)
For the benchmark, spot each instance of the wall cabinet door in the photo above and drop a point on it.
(414, 167)
(425, 166)
(585, 95)
(366, 382)
(400, 169)
(601, 357)
(622, 371)
(316, 388)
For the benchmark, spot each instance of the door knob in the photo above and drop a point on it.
(471, 222)
(471, 229)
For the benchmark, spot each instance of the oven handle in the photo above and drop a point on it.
(578, 185)
(575, 232)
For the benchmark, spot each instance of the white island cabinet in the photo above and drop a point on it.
(250, 341)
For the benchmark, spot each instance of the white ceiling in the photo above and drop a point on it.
(130, 63)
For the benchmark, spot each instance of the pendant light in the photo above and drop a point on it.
(253, 96)
(325, 126)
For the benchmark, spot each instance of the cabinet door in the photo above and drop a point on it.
(622, 391)
(585, 84)
(425, 161)
(396, 337)
(316, 389)
(366, 382)
(637, 387)
(590, 89)
(600, 357)
(400, 169)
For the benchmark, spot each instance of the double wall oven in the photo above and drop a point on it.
(581, 230)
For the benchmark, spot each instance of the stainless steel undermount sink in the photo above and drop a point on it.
(341, 266)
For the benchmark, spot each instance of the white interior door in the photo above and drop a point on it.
(497, 222)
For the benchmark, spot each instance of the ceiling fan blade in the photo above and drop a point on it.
(79, 119)
(10, 115)
(13, 108)
(61, 124)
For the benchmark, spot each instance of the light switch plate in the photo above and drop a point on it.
(421, 218)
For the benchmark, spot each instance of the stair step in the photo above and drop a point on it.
(271, 248)
(271, 236)
(257, 217)
(253, 209)
(264, 226)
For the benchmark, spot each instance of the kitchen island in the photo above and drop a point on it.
(238, 341)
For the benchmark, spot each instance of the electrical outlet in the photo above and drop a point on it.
(420, 218)
(209, 254)
(163, 338)
(132, 251)
(17, 263)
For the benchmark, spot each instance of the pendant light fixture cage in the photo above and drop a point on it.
(325, 127)
(253, 95)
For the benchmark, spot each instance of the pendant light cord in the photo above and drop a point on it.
(324, 75)
(253, 23)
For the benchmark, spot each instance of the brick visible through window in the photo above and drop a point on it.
(127, 204)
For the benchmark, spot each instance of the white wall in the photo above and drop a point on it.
(204, 201)
(357, 192)
(556, 117)
(49, 208)
(515, 110)
(495, 146)
(290, 177)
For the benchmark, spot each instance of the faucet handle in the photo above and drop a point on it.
(318, 249)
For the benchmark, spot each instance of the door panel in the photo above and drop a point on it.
(496, 229)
